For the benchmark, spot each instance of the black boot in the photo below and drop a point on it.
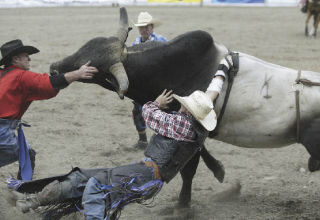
(50, 194)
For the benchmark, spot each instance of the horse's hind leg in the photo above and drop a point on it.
(316, 23)
(187, 174)
(310, 138)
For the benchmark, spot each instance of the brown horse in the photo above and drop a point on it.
(313, 8)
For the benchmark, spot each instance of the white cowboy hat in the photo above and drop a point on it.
(145, 18)
(201, 107)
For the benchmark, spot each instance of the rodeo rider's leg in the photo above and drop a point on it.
(54, 192)
(140, 126)
(94, 201)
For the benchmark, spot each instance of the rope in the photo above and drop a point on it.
(129, 193)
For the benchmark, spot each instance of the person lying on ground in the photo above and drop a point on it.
(104, 192)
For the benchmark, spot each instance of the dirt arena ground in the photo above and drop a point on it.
(88, 126)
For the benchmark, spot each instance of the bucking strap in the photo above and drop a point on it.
(224, 68)
(231, 73)
(304, 82)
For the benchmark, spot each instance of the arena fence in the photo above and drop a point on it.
(54, 3)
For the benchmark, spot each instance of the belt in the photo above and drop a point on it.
(155, 167)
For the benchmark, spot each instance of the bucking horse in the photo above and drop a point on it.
(262, 105)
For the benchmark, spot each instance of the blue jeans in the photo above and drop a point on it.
(93, 199)
(9, 148)
(137, 117)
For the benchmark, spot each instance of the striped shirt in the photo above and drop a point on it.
(178, 125)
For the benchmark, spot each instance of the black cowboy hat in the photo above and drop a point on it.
(13, 48)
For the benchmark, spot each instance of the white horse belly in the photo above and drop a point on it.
(261, 109)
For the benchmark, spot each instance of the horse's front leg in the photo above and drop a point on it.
(306, 30)
(187, 174)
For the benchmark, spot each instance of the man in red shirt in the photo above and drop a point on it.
(18, 88)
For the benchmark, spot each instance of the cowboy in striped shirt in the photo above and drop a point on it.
(178, 137)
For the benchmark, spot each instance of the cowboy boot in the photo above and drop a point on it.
(49, 195)
(29, 201)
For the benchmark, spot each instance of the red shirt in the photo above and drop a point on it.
(18, 88)
(178, 126)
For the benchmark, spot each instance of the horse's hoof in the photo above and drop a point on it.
(313, 164)
(184, 199)
(180, 213)
(182, 205)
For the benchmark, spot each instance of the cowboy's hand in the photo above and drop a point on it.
(164, 99)
(86, 71)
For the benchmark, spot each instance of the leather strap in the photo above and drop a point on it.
(297, 97)
(155, 167)
(224, 68)
(233, 70)
(297, 93)
(308, 82)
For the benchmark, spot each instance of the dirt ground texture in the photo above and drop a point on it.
(88, 126)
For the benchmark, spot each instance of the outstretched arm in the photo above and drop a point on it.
(84, 72)
(62, 81)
